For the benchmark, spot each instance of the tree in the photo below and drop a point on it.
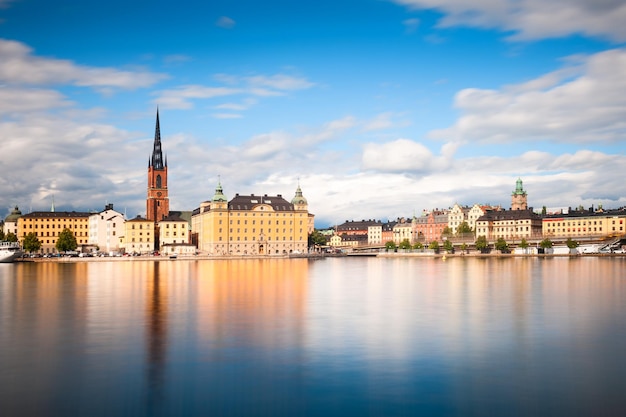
(1, 233)
(501, 245)
(481, 243)
(463, 229)
(418, 245)
(447, 246)
(405, 244)
(10, 237)
(446, 231)
(66, 241)
(464, 247)
(434, 245)
(316, 238)
(390, 245)
(571, 243)
(545, 244)
(31, 243)
(523, 244)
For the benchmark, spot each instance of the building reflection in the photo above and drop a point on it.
(155, 333)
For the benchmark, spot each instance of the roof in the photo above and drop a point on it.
(494, 216)
(586, 213)
(248, 202)
(56, 214)
(358, 225)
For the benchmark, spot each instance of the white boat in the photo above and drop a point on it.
(9, 251)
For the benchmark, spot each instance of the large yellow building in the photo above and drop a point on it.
(251, 225)
(579, 224)
(47, 225)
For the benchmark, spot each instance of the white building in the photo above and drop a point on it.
(106, 228)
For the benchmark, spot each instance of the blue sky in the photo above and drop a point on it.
(379, 108)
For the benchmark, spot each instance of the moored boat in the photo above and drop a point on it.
(9, 251)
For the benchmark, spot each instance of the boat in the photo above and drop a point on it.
(9, 251)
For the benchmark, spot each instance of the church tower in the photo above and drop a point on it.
(157, 202)
(519, 198)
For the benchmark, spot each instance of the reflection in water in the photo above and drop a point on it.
(156, 335)
(463, 336)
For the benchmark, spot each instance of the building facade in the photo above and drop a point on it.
(47, 225)
(510, 225)
(105, 229)
(139, 236)
(430, 226)
(589, 224)
(173, 230)
(251, 224)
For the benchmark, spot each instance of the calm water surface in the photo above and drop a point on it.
(334, 337)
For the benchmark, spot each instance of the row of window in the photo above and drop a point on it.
(571, 223)
(63, 226)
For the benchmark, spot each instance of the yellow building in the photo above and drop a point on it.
(47, 225)
(585, 224)
(138, 236)
(252, 225)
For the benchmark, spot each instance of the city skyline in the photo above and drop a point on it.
(387, 107)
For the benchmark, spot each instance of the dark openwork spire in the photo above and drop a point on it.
(157, 154)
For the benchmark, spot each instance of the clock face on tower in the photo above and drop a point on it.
(159, 194)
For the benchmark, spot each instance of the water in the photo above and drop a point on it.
(335, 337)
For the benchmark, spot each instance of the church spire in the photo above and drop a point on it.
(157, 155)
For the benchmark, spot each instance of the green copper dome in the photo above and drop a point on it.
(15, 214)
(299, 198)
(519, 189)
(219, 194)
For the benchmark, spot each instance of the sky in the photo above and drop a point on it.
(378, 109)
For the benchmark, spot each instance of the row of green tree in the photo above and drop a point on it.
(481, 244)
(65, 242)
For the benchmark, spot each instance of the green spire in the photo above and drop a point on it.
(219, 193)
(519, 189)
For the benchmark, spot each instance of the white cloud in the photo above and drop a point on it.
(18, 100)
(401, 155)
(411, 25)
(583, 103)
(19, 66)
(225, 22)
(280, 82)
(256, 86)
(180, 97)
(534, 19)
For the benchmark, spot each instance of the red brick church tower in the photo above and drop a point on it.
(157, 202)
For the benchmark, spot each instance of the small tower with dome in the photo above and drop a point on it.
(519, 198)
(298, 201)
(219, 200)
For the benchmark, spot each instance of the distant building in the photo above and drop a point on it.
(173, 230)
(251, 224)
(47, 225)
(429, 227)
(139, 236)
(585, 223)
(509, 224)
(105, 229)
(457, 215)
(403, 230)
